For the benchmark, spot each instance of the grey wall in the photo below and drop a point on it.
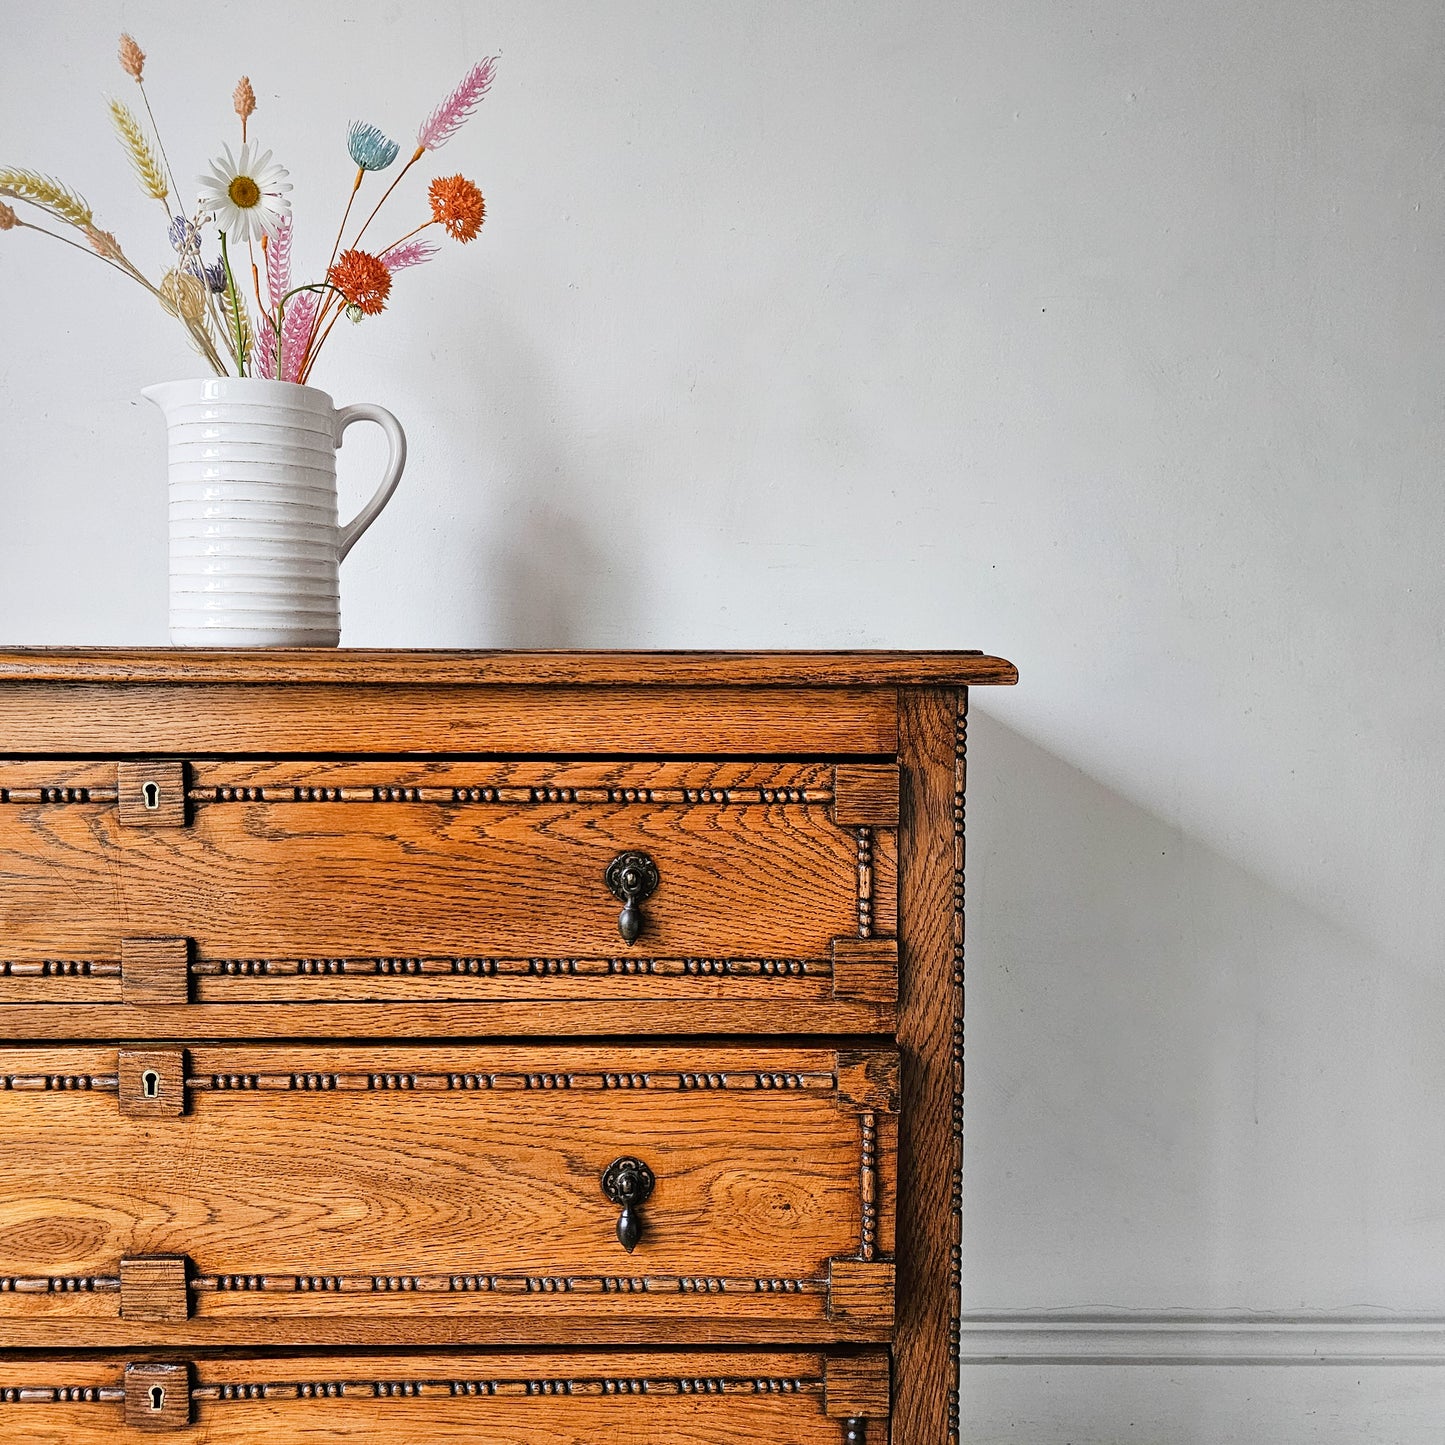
(1102, 335)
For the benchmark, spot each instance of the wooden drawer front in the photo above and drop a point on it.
(443, 884)
(646, 1399)
(310, 1195)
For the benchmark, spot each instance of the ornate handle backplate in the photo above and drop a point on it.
(629, 1183)
(632, 877)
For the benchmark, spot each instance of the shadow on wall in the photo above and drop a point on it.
(551, 574)
(1185, 1089)
(547, 582)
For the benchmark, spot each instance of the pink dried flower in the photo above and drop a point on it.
(300, 314)
(263, 355)
(132, 58)
(444, 122)
(409, 253)
(278, 260)
(103, 243)
(244, 99)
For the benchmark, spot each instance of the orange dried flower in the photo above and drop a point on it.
(8, 218)
(132, 57)
(363, 279)
(458, 205)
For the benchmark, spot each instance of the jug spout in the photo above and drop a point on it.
(165, 394)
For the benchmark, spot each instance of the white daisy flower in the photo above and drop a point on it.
(247, 195)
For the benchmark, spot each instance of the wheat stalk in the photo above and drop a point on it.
(138, 150)
(47, 193)
(238, 323)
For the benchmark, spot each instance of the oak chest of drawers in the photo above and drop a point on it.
(532, 1048)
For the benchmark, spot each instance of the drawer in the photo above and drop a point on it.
(317, 1195)
(263, 898)
(531, 1399)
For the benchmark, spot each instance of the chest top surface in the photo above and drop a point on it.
(526, 668)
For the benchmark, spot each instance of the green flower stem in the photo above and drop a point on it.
(278, 321)
(235, 302)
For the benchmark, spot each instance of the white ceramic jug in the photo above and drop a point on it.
(255, 543)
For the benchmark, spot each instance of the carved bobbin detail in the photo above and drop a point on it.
(865, 883)
(868, 1187)
(955, 1260)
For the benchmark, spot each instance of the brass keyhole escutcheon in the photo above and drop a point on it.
(150, 1086)
(151, 792)
(158, 1397)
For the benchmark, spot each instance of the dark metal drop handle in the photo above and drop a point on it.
(629, 1183)
(631, 877)
(855, 1432)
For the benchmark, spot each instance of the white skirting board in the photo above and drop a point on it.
(1025, 1337)
(1111, 1393)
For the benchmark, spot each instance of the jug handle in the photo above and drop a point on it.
(351, 533)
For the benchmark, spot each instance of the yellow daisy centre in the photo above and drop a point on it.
(244, 192)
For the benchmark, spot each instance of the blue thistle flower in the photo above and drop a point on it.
(184, 235)
(215, 277)
(369, 148)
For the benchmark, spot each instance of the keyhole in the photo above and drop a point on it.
(158, 1397)
(150, 1083)
(152, 792)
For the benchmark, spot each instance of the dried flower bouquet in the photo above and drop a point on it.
(244, 199)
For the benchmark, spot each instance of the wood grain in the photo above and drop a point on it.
(334, 879)
(153, 971)
(786, 796)
(675, 1398)
(176, 719)
(861, 1292)
(866, 968)
(153, 1289)
(666, 1013)
(456, 1183)
(865, 795)
(410, 845)
(150, 1082)
(366, 668)
(856, 1386)
(929, 1031)
(157, 1397)
(151, 794)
